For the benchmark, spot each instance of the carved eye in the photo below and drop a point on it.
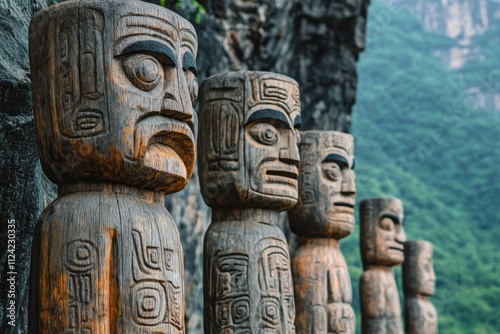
(264, 133)
(192, 84)
(332, 171)
(144, 71)
(386, 224)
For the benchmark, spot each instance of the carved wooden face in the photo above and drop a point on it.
(326, 185)
(382, 234)
(248, 140)
(418, 269)
(121, 80)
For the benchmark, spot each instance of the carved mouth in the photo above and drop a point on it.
(349, 205)
(283, 173)
(400, 249)
(344, 207)
(165, 144)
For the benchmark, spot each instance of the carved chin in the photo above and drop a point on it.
(428, 288)
(395, 256)
(341, 218)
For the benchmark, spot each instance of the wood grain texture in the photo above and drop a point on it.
(113, 86)
(323, 215)
(267, 35)
(419, 283)
(382, 240)
(248, 173)
(327, 99)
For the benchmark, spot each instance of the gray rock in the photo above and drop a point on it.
(21, 192)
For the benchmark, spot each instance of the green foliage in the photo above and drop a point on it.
(193, 8)
(418, 138)
(484, 73)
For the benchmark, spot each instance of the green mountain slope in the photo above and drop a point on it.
(417, 138)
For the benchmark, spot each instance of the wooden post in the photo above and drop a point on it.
(248, 164)
(382, 240)
(419, 283)
(324, 215)
(113, 85)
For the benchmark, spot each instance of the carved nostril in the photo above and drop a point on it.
(285, 156)
(170, 96)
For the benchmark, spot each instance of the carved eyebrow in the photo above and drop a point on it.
(189, 63)
(392, 216)
(269, 114)
(332, 157)
(152, 46)
(297, 122)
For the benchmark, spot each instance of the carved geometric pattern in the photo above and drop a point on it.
(174, 304)
(81, 48)
(275, 277)
(275, 281)
(225, 138)
(232, 295)
(319, 320)
(148, 303)
(81, 260)
(81, 256)
(155, 298)
(308, 191)
(271, 315)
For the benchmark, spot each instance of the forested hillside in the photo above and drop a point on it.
(420, 139)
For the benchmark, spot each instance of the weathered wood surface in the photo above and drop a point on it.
(272, 28)
(113, 86)
(382, 240)
(419, 283)
(290, 37)
(323, 215)
(248, 164)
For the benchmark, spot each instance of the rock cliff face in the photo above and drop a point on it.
(461, 21)
(315, 41)
(21, 191)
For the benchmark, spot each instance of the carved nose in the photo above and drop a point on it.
(176, 101)
(290, 153)
(401, 235)
(432, 275)
(348, 184)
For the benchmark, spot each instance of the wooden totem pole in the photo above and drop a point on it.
(382, 240)
(113, 85)
(419, 283)
(248, 163)
(324, 215)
